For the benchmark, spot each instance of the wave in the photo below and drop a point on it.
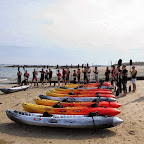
(3, 79)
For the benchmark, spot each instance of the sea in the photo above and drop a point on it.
(8, 75)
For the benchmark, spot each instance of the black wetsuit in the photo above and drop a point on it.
(85, 76)
(42, 75)
(67, 76)
(50, 75)
(124, 79)
(119, 81)
(19, 78)
(74, 77)
(107, 75)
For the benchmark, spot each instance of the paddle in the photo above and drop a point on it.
(130, 71)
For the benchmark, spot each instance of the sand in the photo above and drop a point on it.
(131, 131)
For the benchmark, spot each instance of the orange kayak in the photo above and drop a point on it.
(82, 92)
(79, 90)
(34, 108)
(84, 95)
(76, 104)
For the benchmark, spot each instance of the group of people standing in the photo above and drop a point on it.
(45, 75)
(119, 77)
(76, 75)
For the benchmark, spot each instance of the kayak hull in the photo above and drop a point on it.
(63, 121)
(77, 99)
(76, 104)
(34, 108)
(15, 89)
(84, 95)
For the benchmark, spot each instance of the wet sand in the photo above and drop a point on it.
(131, 131)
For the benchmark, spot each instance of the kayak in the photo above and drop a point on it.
(14, 89)
(81, 92)
(77, 99)
(87, 85)
(84, 95)
(34, 108)
(76, 104)
(77, 90)
(67, 121)
(103, 87)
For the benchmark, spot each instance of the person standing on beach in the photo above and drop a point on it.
(67, 75)
(134, 74)
(46, 76)
(59, 77)
(124, 79)
(19, 74)
(96, 74)
(112, 75)
(42, 76)
(26, 77)
(107, 73)
(85, 71)
(118, 78)
(64, 76)
(88, 75)
(78, 75)
(35, 73)
(50, 76)
(74, 76)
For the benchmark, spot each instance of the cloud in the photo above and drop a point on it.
(94, 23)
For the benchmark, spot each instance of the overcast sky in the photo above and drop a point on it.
(71, 31)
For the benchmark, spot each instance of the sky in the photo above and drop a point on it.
(52, 32)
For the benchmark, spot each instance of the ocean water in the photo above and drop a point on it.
(9, 74)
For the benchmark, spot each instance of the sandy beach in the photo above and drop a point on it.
(131, 131)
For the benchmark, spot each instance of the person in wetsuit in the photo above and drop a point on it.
(67, 75)
(42, 76)
(74, 76)
(46, 76)
(50, 76)
(26, 77)
(59, 77)
(85, 72)
(64, 76)
(118, 79)
(124, 79)
(113, 75)
(107, 73)
(35, 73)
(19, 74)
(78, 75)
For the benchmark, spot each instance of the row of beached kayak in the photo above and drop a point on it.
(73, 108)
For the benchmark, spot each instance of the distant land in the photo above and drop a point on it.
(50, 66)
(70, 66)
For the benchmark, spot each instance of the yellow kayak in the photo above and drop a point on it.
(83, 95)
(34, 108)
(75, 104)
